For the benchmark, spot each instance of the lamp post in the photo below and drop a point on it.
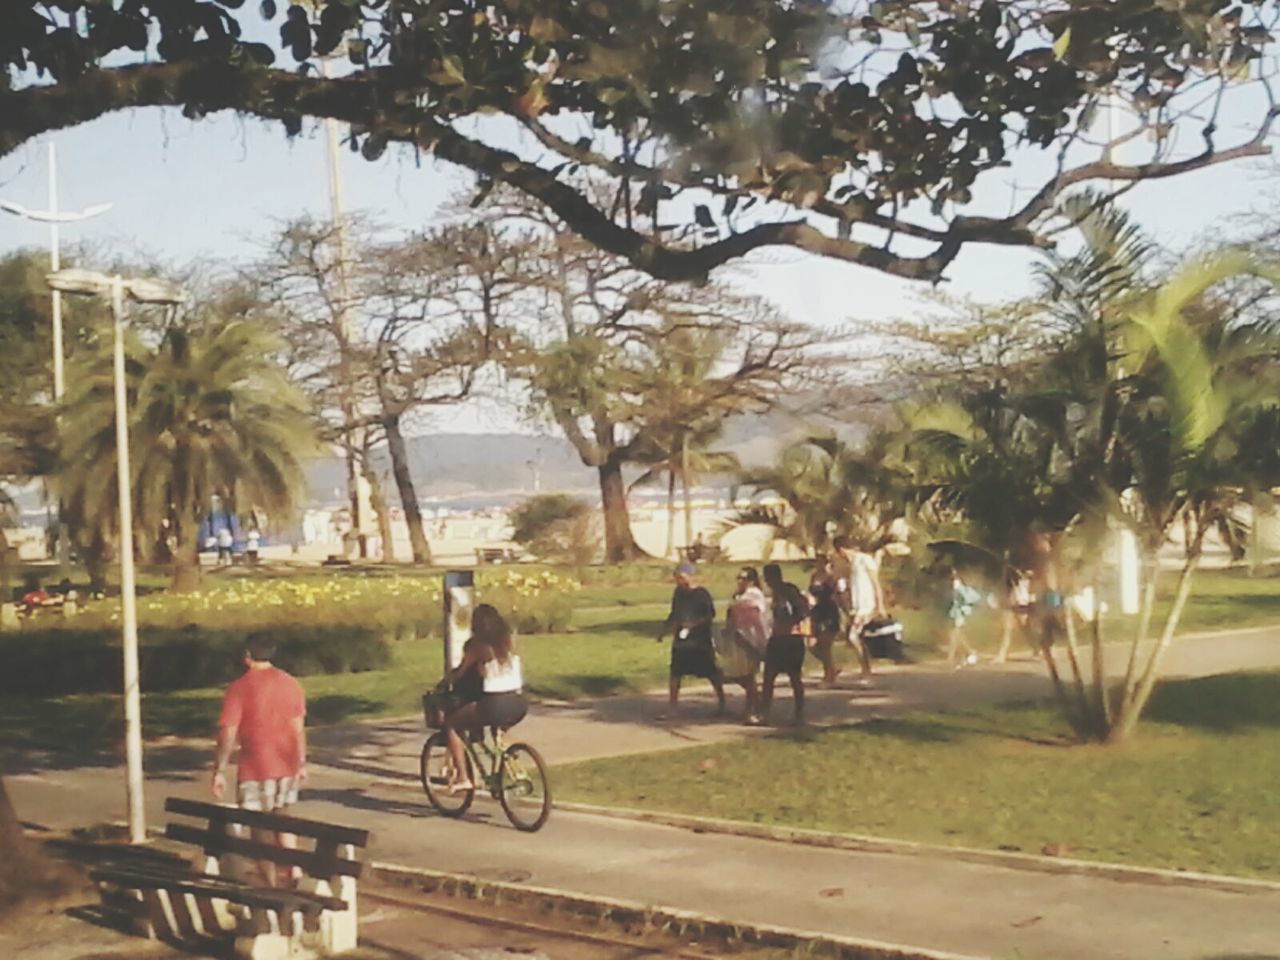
(53, 216)
(91, 283)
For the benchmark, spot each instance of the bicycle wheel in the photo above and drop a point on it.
(436, 771)
(524, 792)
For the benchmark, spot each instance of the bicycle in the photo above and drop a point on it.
(515, 775)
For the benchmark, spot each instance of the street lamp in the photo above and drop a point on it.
(53, 216)
(141, 290)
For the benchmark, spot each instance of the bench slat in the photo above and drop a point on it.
(279, 822)
(213, 841)
(222, 887)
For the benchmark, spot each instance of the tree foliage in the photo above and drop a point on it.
(865, 131)
(1135, 415)
(556, 526)
(210, 413)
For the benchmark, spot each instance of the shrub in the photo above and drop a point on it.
(556, 526)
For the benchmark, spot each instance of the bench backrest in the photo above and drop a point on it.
(327, 859)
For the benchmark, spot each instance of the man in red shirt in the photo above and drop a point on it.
(263, 713)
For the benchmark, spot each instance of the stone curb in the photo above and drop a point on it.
(631, 913)
(1062, 866)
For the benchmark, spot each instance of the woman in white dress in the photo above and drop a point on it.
(858, 582)
(746, 634)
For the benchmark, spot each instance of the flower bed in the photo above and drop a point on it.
(340, 623)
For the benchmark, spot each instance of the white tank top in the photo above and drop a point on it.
(502, 677)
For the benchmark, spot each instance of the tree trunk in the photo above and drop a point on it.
(1101, 696)
(186, 558)
(15, 851)
(671, 511)
(684, 480)
(1077, 674)
(97, 558)
(408, 495)
(619, 544)
(25, 872)
(1131, 708)
(378, 503)
(1080, 724)
(1144, 625)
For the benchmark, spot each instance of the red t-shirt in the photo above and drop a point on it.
(264, 704)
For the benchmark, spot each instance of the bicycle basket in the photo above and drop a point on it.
(435, 705)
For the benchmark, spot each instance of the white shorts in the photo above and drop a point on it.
(267, 795)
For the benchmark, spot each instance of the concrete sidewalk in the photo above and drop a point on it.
(366, 775)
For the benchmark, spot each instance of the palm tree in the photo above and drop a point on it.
(211, 414)
(1133, 420)
(680, 454)
(832, 488)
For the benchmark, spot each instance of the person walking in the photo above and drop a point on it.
(689, 622)
(225, 542)
(859, 595)
(785, 651)
(961, 600)
(746, 636)
(825, 617)
(264, 715)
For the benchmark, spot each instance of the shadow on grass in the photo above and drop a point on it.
(646, 626)
(584, 685)
(1229, 703)
(336, 707)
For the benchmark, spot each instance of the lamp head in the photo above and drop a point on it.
(149, 290)
(75, 280)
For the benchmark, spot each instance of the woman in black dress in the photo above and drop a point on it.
(692, 654)
(824, 618)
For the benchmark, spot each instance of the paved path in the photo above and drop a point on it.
(365, 774)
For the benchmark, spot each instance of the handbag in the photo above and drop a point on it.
(882, 638)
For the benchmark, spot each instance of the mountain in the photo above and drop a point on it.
(483, 468)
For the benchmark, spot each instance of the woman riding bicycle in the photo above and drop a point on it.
(489, 684)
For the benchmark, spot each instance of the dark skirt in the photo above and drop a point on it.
(692, 658)
(501, 709)
(825, 618)
(784, 654)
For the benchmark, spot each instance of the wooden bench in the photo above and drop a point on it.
(495, 555)
(174, 900)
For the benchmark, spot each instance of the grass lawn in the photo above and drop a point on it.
(610, 650)
(1194, 790)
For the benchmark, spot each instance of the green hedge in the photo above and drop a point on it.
(67, 661)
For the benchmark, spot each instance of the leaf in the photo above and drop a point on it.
(1062, 44)
(259, 53)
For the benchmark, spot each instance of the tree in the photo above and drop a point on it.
(1132, 419)
(863, 131)
(28, 438)
(382, 330)
(211, 413)
(610, 372)
(833, 488)
(437, 305)
(685, 420)
(556, 526)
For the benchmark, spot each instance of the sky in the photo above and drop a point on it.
(216, 188)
